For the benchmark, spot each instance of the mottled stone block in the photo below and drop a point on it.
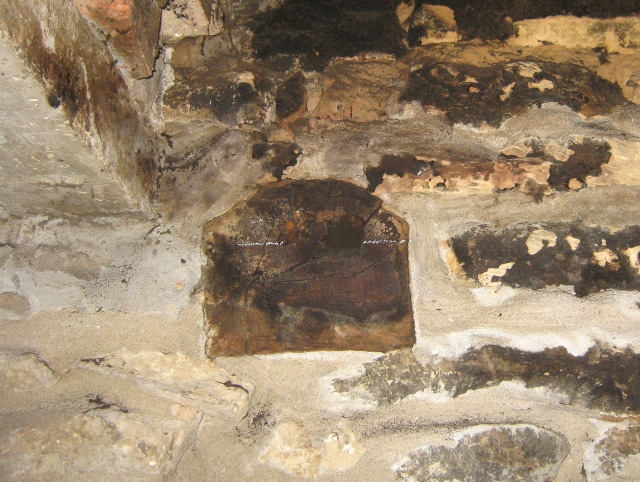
(507, 453)
(307, 265)
(469, 94)
(590, 259)
(604, 379)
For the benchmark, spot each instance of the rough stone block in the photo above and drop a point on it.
(24, 370)
(507, 453)
(604, 379)
(204, 387)
(307, 265)
(132, 28)
(590, 259)
(190, 18)
(105, 440)
(473, 95)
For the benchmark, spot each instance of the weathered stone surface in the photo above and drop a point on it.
(357, 90)
(24, 370)
(190, 18)
(90, 89)
(132, 28)
(616, 35)
(590, 259)
(603, 379)
(475, 95)
(507, 453)
(205, 387)
(291, 98)
(493, 19)
(609, 454)
(320, 31)
(276, 156)
(292, 451)
(228, 91)
(530, 165)
(307, 265)
(106, 439)
(431, 24)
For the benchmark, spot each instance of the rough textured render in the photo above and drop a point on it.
(331, 240)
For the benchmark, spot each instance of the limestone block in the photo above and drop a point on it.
(615, 452)
(590, 259)
(226, 93)
(431, 24)
(292, 451)
(190, 18)
(132, 27)
(484, 454)
(205, 386)
(104, 440)
(532, 166)
(472, 95)
(357, 90)
(602, 379)
(307, 265)
(24, 370)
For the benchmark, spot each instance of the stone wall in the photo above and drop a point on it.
(394, 241)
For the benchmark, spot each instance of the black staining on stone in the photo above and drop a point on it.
(290, 96)
(313, 265)
(239, 95)
(225, 100)
(587, 160)
(276, 156)
(395, 165)
(493, 19)
(508, 453)
(603, 379)
(54, 101)
(598, 260)
(472, 95)
(319, 31)
(98, 403)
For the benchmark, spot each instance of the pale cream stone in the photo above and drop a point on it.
(623, 166)
(605, 256)
(543, 85)
(558, 151)
(190, 18)
(291, 451)
(517, 149)
(23, 370)
(528, 69)
(536, 240)
(204, 386)
(341, 450)
(632, 253)
(508, 90)
(108, 439)
(573, 242)
(574, 184)
(486, 278)
(618, 35)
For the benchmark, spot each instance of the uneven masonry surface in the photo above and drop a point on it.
(319, 240)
